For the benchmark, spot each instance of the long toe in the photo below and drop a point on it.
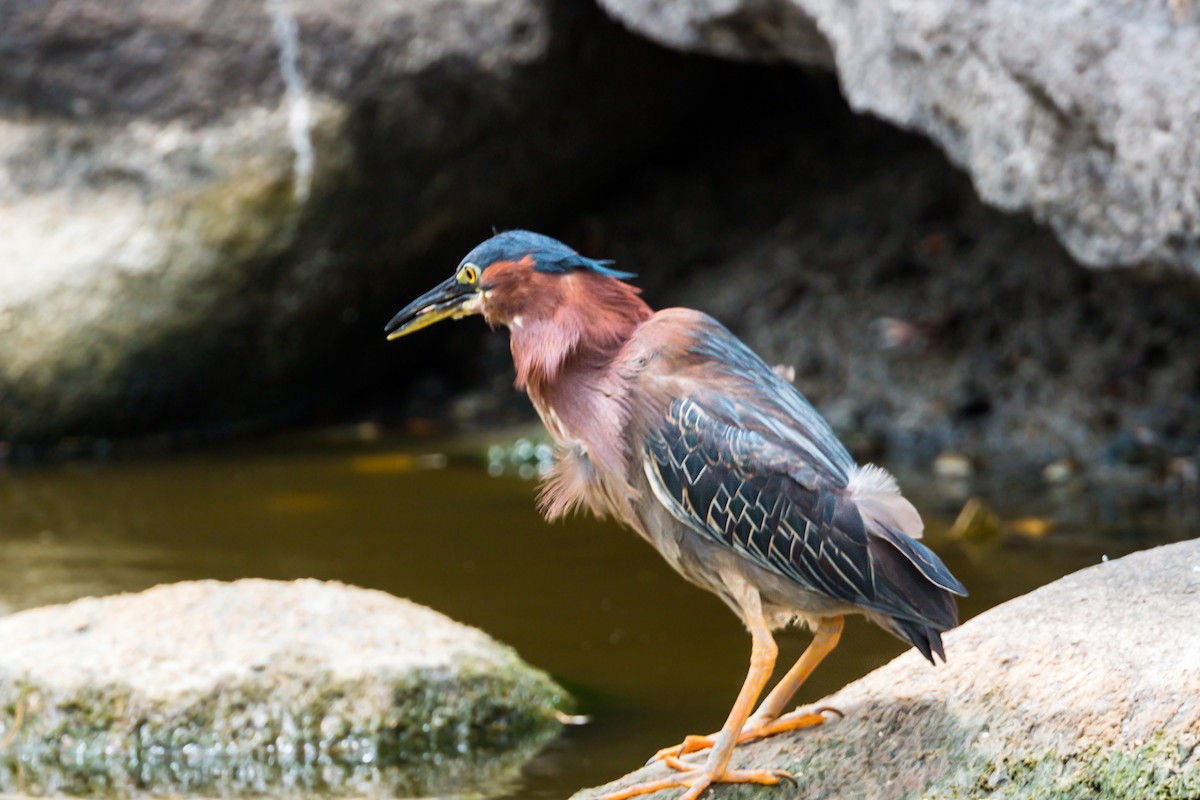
(763, 777)
(696, 782)
(788, 722)
(691, 744)
(699, 787)
(755, 729)
(650, 787)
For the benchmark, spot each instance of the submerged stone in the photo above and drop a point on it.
(1086, 688)
(262, 687)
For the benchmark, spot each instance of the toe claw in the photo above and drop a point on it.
(665, 753)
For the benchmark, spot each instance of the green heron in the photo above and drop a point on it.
(670, 423)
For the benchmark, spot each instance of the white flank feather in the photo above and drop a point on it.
(874, 491)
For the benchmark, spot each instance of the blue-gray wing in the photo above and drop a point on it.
(760, 400)
(734, 486)
(739, 456)
(733, 483)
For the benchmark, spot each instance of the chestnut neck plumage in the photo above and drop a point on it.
(566, 340)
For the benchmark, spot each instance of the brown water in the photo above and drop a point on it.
(649, 657)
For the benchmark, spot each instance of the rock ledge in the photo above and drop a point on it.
(1086, 688)
(1083, 113)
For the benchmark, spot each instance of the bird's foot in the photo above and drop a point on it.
(696, 781)
(755, 729)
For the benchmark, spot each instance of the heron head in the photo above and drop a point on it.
(506, 278)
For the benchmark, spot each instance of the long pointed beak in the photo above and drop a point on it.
(448, 300)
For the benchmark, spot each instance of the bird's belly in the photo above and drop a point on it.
(703, 562)
(670, 538)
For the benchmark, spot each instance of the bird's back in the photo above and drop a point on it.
(735, 454)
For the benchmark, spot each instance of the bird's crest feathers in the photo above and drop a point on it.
(874, 491)
(549, 255)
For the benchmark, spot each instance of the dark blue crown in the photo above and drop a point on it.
(549, 255)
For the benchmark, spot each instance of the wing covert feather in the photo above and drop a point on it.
(735, 487)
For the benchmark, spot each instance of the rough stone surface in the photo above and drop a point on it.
(261, 686)
(198, 198)
(1085, 113)
(1085, 688)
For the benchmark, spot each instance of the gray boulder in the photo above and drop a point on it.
(1086, 114)
(263, 687)
(1086, 688)
(198, 198)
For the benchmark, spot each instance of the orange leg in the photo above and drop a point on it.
(825, 638)
(716, 768)
(767, 720)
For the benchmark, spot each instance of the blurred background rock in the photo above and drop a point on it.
(208, 210)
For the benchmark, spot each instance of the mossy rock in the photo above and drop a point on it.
(262, 687)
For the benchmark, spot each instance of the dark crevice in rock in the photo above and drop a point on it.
(918, 319)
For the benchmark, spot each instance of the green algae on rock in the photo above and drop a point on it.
(262, 687)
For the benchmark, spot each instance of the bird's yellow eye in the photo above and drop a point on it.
(468, 274)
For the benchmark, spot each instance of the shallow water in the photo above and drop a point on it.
(649, 657)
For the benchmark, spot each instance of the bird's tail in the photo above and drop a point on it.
(918, 589)
(927, 639)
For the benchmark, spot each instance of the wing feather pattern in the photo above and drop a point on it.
(728, 477)
(735, 487)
